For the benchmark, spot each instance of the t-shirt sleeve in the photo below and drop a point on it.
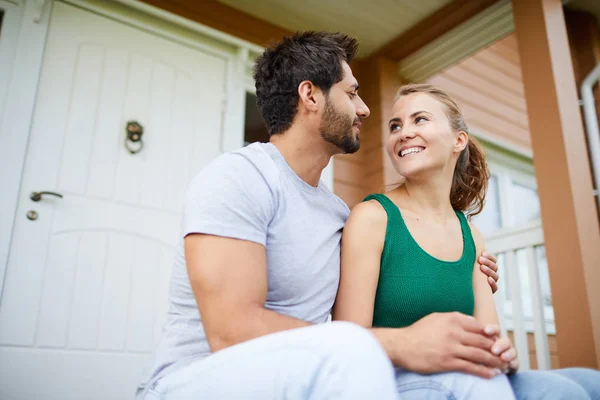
(232, 198)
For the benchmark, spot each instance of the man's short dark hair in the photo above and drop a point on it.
(306, 56)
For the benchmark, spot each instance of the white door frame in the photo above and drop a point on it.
(15, 119)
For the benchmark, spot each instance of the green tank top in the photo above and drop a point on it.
(412, 283)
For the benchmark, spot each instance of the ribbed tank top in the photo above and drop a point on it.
(412, 283)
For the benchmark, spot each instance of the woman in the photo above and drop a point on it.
(411, 252)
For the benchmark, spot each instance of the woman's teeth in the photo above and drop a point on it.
(411, 150)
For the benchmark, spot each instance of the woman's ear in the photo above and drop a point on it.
(462, 140)
(309, 95)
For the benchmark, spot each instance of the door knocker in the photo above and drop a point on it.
(133, 138)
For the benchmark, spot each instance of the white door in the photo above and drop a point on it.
(86, 285)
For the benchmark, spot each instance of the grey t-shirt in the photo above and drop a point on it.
(253, 194)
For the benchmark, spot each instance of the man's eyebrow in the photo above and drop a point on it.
(355, 86)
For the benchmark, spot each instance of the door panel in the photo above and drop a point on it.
(87, 281)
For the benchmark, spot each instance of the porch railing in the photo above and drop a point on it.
(523, 305)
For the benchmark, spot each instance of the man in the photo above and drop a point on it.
(258, 268)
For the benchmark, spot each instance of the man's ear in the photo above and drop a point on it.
(310, 95)
(462, 140)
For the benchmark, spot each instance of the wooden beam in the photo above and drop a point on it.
(432, 27)
(224, 18)
(562, 166)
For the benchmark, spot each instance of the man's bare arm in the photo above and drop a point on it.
(229, 281)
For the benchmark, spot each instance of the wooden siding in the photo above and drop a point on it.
(488, 87)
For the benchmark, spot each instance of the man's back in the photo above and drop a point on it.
(252, 194)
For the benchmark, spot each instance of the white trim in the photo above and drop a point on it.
(235, 109)
(521, 151)
(38, 9)
(466, 38)
(16, 119)
(110, 10)
(180, 21)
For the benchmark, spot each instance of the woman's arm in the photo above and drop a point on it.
(362, 244)
(485, 309)
(437, 343)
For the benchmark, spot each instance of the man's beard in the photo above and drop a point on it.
(336, 128)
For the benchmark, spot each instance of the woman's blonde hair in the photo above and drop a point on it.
(471, 174)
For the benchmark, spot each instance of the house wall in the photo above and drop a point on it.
(368, 170)
(489, 89)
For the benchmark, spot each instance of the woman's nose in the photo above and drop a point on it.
(407, 134)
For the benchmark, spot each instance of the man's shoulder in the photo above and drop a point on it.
(250, 165)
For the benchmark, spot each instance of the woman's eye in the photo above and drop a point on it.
(394, 128)
(419, 119)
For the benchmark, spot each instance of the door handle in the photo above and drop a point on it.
(37, 196)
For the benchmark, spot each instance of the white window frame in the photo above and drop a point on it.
(520, 170)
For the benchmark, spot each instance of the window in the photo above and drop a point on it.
(526, 203)
(254, 125)
(490, 218)
(512, 201)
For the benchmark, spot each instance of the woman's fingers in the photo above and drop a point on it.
(501, 345)
(480, 356)
(509, 355)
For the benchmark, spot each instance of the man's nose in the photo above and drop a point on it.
(363, 111)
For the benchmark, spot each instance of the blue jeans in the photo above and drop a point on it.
(567, 384)
(451, 386)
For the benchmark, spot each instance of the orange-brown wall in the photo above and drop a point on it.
(362, 173)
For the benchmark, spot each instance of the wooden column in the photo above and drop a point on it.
(569, 216)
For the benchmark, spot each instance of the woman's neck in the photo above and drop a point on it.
(428, 198)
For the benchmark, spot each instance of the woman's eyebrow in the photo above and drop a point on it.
(395, 120)
(419, 112)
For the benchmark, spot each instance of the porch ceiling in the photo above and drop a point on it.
(374, 23)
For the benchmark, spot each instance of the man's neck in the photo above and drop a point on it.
(306, 154)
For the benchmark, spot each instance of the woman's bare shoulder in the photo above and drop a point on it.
(368, 213)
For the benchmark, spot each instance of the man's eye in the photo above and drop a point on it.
(353, 94)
